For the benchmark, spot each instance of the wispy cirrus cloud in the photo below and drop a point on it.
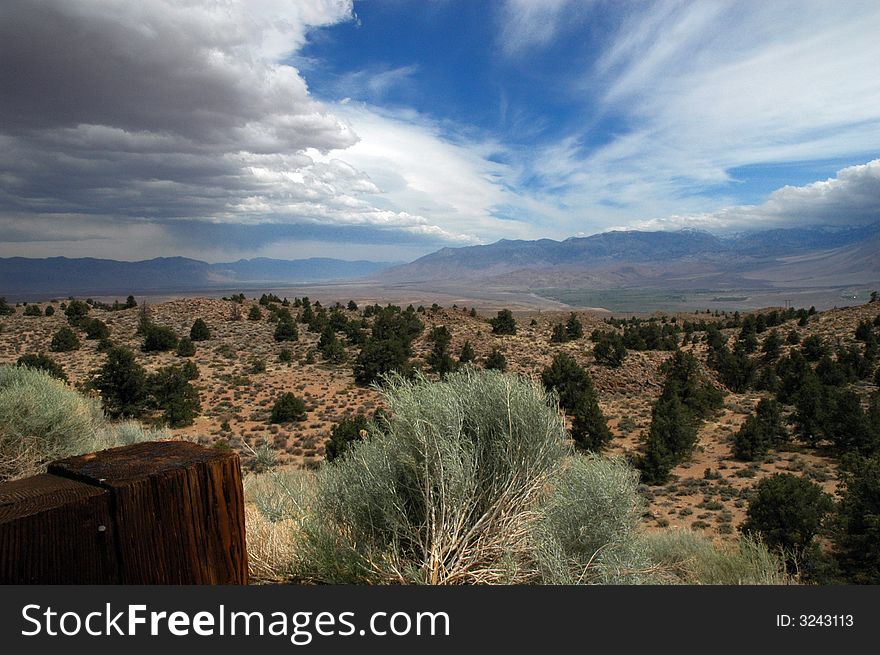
(529, 24)
(697, 90)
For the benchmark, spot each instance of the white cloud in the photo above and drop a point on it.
(417, 165)
(529, 24)
(852, 197)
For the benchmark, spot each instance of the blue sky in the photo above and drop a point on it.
(386, 129)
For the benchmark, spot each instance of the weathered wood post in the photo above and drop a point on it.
(152, 513)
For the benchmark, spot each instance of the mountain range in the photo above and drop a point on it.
(61, 276)
(685, 259)
(810, 257)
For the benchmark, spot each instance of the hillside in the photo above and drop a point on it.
(241, 375)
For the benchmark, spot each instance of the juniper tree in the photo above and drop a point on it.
(439, 359)
(503, 323)
(772, 346)
(694, 390)
(122, 383)
(813, 348)
(287, 409)
(609, 349)
(96, 329)
(496, 361)
(172, 393)
(574, 328)
(186, 347)
(199, 330)
(671, 438)
(380, 356)
(577, 397)
(64, 340)
(589, 429)
(787, 511)
(467, 354)
(857, 537)
(76, 311)
(286, 330)
(159, 338)
(849, 427)
(346, 432)
(329, 345)
(559, 334)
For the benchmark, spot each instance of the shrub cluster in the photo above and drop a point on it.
(470, 481)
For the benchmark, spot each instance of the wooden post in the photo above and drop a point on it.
(55, 531)
(174, 514)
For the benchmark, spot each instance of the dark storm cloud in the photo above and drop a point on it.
(114, 111)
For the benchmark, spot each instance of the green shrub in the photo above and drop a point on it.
(64, 340)
(43, 362)
(96, 329)
(690, 558)
(50, 310)
(186, 347)
(591, 523)
(33, 310)
(159, 338)
(344, 434)
(471, 480)
(503, 323)
(787, 511)
(199, 330)
(42, 419)
(76, 311)
(122, 383)
(288, 408)
(277, 504)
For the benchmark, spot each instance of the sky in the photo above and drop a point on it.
(387, 129)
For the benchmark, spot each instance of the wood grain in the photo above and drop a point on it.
(56, 531)
(178, 511)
